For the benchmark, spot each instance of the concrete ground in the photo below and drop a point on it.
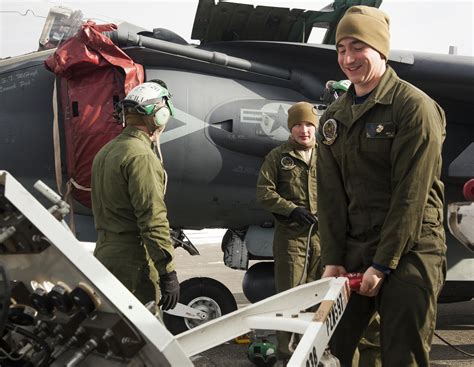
(455, 321)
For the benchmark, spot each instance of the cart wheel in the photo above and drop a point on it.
(206, 294)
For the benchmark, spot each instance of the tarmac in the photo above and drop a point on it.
(455, 321)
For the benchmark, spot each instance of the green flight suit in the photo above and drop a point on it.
(383, 203)
(285, 182)
(130, 213)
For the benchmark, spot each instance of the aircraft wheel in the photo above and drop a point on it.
(206, 294)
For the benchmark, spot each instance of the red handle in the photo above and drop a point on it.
(468, 190)
(355, 280)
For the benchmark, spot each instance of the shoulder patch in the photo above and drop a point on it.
(330, 132)
(287, 163)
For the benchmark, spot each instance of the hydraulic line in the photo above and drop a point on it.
(294, 338)
(453, 346)
(308, 248)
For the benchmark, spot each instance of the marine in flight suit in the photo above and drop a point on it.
(379, 165)
(286, 187)
(128, 184)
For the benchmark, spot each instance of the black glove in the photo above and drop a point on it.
(169, 287)
(303, 216)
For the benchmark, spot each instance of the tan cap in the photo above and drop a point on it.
(367, 24)
(302, 112)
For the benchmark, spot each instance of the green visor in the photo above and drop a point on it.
(150, 108)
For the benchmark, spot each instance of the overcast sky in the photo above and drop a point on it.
(422, 25)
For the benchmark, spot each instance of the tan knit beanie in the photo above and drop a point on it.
(367, 24)
(302, 111)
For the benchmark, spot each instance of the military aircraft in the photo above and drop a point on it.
(231, 94)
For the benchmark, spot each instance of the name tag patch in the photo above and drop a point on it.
(382, 130)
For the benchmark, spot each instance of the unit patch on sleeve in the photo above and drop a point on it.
(330, 131)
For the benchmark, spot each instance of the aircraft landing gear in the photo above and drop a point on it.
(209, 296)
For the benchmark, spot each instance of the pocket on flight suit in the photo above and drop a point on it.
(432, 224)
(289, 258)
(378, 139)
(129, 273)
(424, 261)
(423, 269)
(288, 186)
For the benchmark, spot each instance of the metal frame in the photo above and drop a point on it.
(288, 311)
(285, 311)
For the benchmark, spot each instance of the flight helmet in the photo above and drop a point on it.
(150, 99)
(262, 353)
(341, 85)
(334, 89)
